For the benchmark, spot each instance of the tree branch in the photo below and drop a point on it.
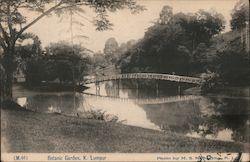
(73, 5)
(2, 43)
(5, 34)
(11, 31)
(38, 18)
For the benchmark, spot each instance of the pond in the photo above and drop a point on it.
(161, 108)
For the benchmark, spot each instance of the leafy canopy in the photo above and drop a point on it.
(60, 61)
(170, 44)
(13, 22)
(240, 15)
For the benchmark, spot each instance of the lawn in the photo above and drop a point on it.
(27, 131)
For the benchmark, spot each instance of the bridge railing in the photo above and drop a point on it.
(169, 77)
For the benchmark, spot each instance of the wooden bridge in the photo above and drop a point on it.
(145, 101)
(175, 78)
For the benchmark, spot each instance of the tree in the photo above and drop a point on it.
(28, 47)
(14, 23)
(110, 48)
(234, 67)
(60, 61)
(99, 61)
(171, 47)
(166, 14)
(67, 62)
(201, 26)
(240, 15)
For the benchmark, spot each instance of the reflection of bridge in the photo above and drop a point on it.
(147, 101)
(156, 76)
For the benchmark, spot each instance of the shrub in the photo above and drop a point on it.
(98, 115)
(209, 81)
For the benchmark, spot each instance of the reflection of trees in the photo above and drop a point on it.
(112, 89)
(233, 115)
(147, 87)
(64, 102)
(207, 116)
(228, 114)
(180, 117)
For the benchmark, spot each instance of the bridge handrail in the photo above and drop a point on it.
(171, 77)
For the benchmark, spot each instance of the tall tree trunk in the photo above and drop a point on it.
(8, 64)
(9, 84)
(2, 83)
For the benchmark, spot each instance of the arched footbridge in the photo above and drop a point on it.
(156, 76)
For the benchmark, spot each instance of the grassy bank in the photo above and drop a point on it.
(26, 131)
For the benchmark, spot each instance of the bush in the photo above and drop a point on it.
(209, 81)
(98, 115)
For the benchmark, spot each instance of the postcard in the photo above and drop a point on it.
(124, 80)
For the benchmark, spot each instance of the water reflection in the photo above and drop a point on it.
(22, 101)
(65, 103)
(128, 112)
(195, 116)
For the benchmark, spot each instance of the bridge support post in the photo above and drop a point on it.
(97, 88)
(157, 88)
(137, 89)
(179, 88)
(118, 87)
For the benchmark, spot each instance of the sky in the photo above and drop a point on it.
(127, 26)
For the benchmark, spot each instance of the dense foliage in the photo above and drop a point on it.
(234, 67)
(61, 62)
(192, 44)
(112, 53)
(14, 22)
(173, 44)
(240, 15)
(111, 46)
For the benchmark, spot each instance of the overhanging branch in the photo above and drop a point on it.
(38, 18)
(9, 23)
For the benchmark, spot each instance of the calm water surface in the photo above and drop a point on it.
(218, 118)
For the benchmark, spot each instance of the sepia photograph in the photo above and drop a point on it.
(124, 80)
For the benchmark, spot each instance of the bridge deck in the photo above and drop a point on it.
(156, 76)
